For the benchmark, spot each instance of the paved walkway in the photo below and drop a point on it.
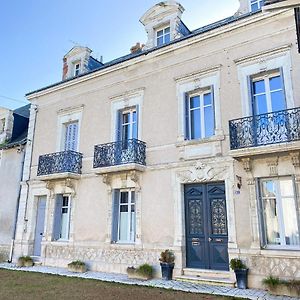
(172, 284)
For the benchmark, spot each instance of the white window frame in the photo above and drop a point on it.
(76, 68)
(266, 78)
(202, 107)
(197, 81)
(130, 122)
(163, 35)
(259, 3)
(279, 209)
(65, 116)
(129, 204)
(253, 65)
(125, 101)
(68, 218)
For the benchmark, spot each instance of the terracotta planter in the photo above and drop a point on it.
(77, 269)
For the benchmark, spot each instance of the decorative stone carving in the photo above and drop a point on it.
(201, 173)
(247, 164)
(273, 166)
(295, 157)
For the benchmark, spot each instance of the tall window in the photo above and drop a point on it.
(200, 121)
(76, 69)
(163, 36)
(62, 218)
(124, 221)
(71, 136)
(256, 5)
(129, 124)
(279, 210)
(268, 93)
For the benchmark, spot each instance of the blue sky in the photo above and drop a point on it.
(35, 35)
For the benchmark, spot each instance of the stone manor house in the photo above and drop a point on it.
(191, 143)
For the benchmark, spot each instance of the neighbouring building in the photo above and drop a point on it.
(190, 142)
(13, 138)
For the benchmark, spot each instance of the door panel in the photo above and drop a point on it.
(206, 226)
(39, 229)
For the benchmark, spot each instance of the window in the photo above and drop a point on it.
(268, 93)
(124, 221)
(163, 36)
(279, 212)
(62, 217)
(200, 115)
(2, 125)
(129, 124)
(76, 69)
(256, 5)
(71, 136)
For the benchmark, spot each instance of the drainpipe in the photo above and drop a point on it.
(27, 180)
(21, 149)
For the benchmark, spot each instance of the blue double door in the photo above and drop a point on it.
(206, 226)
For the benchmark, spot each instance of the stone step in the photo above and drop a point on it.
(207, 273)
(219, 281)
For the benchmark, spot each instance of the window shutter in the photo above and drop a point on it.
(213, 105)
(187, 118)
(250, 95)
(119, 125)
(137, 120)
(283, 85)
(71, 136)
(260, 214)
(115, 216)
(57, 217)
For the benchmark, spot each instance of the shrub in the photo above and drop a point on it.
(25, 261)
(76, 263)
(145, 270)
(237, 264)
(272, 282)
(167, 256)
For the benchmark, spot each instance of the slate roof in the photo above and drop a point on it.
(130, 56)
(20, 128)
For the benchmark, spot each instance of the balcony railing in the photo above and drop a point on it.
(60, 162)
(120, 153)
(266, 129)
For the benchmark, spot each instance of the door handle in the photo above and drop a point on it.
(210, 239)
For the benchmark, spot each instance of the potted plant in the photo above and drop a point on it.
(143, 272)
(25, 261)
(241, 273)
(77, 266)
(167, 259)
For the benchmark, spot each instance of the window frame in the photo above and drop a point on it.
(163, 35)
(200, 93)
(129, 205)
(281, 226)
(130, 123)
(76, 68)
(260, 4)
(68, 207)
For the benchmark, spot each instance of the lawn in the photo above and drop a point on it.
(27, 285)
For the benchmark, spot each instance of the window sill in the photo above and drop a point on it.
(214, 138)
(129, 246)
(281, 251)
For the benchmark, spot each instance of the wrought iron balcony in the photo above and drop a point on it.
(265, 129)
(60, 162)
(120, 153)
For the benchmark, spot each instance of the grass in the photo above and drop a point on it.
(26, 285)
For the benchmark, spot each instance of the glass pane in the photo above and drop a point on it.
(125, 133)
(124, 197)
(160, 33)
(268, 189)
(275, 83)
(207, 99)
(160, 41)
(64, 226)
(254, 7)
(259, 87)
(132, 227)
(132, 197)
(125, 118)
(290, 221)
(134, 131)
(134, 116)
(195, 124)
(195, 102)
(286, 188)
(65, 201)
(278, 101)
(271, 221)
(209, 121)
(123, 229)
(124, 208)
(260, 104)
(167, 30)
(167, 38)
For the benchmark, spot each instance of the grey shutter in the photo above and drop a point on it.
(260, 214)
(283, 85)
(119, 125)
(137, 120)
(187, 117)
(115, 216)
(57, 217)
(250, 95)
(213, 105)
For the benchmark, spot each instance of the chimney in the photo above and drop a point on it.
(137, 48)
(65, 68)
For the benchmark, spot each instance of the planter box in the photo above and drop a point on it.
(77, 269)
(133, 274)
(283, 290)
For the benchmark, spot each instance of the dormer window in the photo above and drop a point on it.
(76, 69)
(163, 36)
(256, 5)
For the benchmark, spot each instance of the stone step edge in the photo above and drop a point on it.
(207, 280)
